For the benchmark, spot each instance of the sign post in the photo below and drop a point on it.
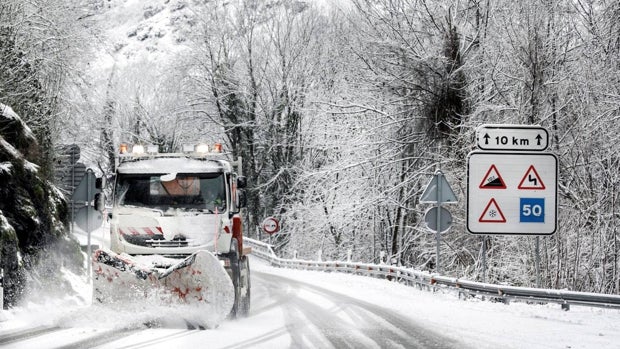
(512, 184)
(86, 216)
(438, 219)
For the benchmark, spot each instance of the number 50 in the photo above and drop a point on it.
(529, 210)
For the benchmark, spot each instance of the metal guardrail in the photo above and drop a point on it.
(426, 280)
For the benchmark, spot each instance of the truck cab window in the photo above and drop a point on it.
(185, 191)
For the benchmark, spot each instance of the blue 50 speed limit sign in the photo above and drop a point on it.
(532, 210)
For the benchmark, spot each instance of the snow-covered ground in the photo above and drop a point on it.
(474, 323)
(479, 323)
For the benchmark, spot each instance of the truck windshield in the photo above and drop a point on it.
(185, 191)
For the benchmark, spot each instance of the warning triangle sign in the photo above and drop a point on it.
(492, 213)
(492, 180)
(531, 180)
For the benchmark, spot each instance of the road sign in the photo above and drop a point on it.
(86, 217)
(438, 185)
(531, 180)
(492, 213)
(85, 190)
(67, 171)
(532, 210)
(492, 180)
(445, 220)
(271, 225)
(512, 193)
(512, 137)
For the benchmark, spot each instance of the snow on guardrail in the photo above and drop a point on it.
(426, 280)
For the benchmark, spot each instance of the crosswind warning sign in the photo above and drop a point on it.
(492, 180)
(492, 213)
(531, 180)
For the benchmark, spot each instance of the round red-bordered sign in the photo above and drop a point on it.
(270, 225)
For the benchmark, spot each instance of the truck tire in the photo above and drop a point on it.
(235, 274)
(244, 310)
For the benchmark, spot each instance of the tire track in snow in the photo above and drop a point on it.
(347, 322)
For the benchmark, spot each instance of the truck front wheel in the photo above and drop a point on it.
(235, 275)
(244, 310)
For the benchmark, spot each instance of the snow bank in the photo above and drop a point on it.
(8, 113)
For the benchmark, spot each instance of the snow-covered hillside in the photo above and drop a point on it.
(135, 31)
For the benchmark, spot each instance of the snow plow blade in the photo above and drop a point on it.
(198, 279)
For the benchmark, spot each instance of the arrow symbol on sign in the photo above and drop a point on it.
(539, 139)
(486, 138)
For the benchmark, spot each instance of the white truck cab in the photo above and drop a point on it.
(168, 206)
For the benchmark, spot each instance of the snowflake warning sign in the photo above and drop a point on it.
(492, 213)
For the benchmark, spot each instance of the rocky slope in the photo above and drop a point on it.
(34, 242)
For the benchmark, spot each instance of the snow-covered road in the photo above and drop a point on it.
(317, 317)
(303, 309)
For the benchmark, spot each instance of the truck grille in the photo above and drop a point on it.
(157, 241)
(167, 243)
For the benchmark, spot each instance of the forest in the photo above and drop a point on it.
(342, 111)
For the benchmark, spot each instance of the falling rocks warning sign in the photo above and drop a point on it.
(492, 180)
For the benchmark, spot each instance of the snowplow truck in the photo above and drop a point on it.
(176, 231)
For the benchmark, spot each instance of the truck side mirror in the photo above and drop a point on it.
(243, 201)
(241, 182)
(99, 202)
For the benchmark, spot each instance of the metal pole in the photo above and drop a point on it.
(538, 261)
(374, 216)
(88, 248)
(1, 289)
(438, 175)
(484, 259)
(73, 186)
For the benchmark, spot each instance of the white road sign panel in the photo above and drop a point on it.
(512, 137)
(512, 193)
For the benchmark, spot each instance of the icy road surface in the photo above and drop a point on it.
(302, 309)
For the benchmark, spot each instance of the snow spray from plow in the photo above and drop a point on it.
(200, 279)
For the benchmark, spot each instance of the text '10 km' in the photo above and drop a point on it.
(515, 138)
(505, 140)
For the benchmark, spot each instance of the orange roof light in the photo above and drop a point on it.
(123, 148)
(217, 148)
